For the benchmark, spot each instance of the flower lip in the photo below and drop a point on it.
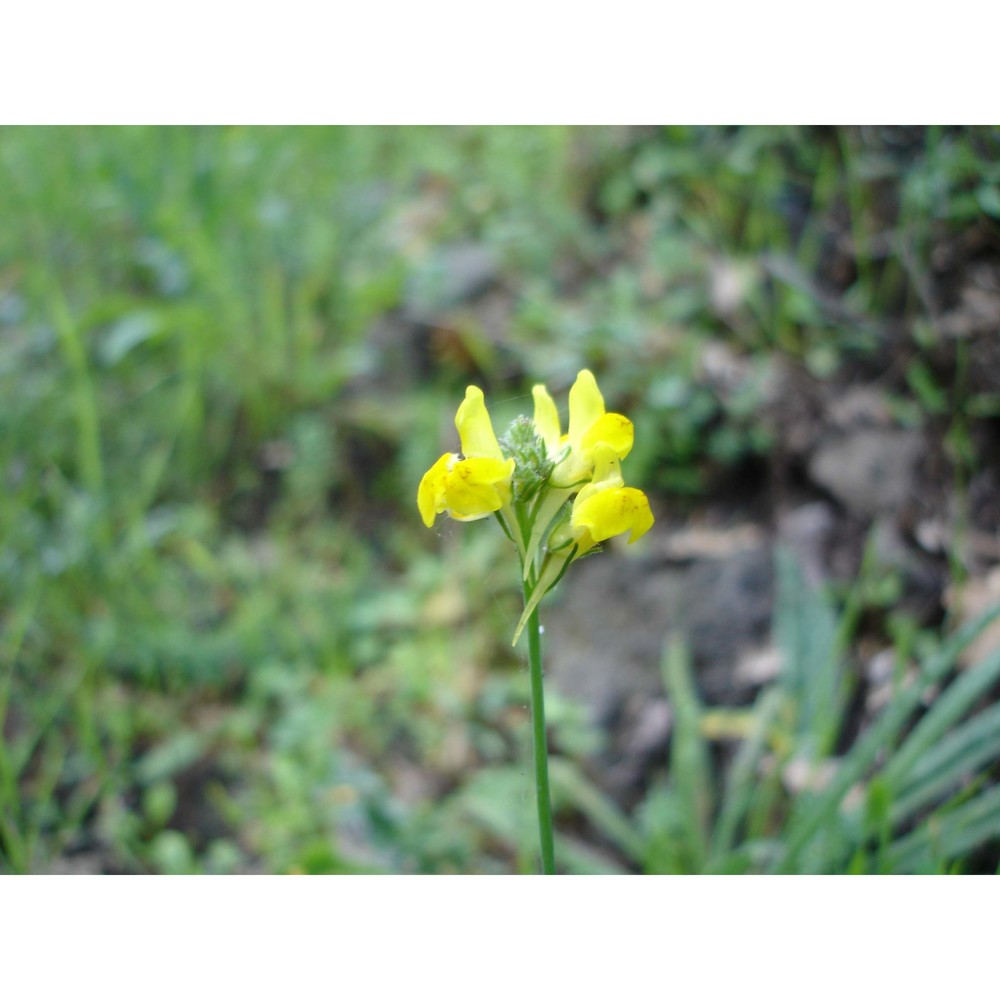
(466, 489)
(611, 512)
(431, 491)
(610, 428)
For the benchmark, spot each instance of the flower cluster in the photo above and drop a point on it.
(556, 495)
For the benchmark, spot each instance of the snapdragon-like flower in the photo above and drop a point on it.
(603, 509)
(589, 425)
(557, 496)
(606, 507)
(474, 484)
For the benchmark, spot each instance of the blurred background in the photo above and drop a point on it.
(227, 356)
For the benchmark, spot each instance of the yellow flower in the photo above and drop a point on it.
(606, 507)
(589, 425)
(477, 482)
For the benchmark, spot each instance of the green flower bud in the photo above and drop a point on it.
(532, 464)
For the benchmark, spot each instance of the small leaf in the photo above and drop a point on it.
(127, 334)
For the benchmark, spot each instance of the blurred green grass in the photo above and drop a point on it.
(226, 642)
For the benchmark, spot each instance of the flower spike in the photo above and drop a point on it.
(556, 495)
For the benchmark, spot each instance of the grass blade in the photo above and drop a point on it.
(741, 784)
(958, 756)
(946, 835)
(818, 812)
(689, 764)
(947, 709)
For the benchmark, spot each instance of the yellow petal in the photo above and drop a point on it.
(586, 407)
(475, 428)
(477, 486)
(547, 419)
(611, 512)
(430, 493)
(613, 429)
(607, 472)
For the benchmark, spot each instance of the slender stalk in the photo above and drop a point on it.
(540, 744)
(88, 445)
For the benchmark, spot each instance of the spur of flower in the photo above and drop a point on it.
(557, 496)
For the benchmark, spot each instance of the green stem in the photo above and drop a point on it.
(539, 741)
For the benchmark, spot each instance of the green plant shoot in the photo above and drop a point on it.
(557, 497)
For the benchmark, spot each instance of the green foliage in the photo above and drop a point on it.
(913, 794)
(226, 642)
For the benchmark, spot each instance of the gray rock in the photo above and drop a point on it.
(808, 530)
(871, 471)
(607, 634)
